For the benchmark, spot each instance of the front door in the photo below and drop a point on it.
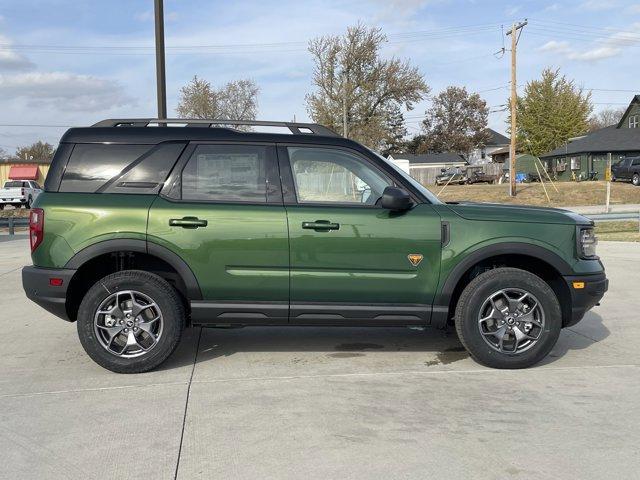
(224, 216)
(351, 260)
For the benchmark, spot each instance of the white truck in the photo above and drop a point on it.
(19, 193)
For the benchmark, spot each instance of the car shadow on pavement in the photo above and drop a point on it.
(441, 347)
(588, 331)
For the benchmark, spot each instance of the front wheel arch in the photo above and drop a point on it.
(549, 267)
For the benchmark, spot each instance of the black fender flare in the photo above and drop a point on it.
(142, 246)
(518, 248)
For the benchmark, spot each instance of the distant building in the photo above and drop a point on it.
(484, 153)
(431, 160)
(14, 169)
(587, 154)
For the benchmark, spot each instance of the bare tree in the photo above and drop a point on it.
(237, 100)
(36, 152)
(606, 118)
(357, 87)
(455, 122)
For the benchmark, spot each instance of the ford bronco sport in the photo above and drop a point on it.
(146, 228)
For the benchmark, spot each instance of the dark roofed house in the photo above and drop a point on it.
(583, 156)
(484, 153)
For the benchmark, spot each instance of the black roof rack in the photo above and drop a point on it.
(294, 127)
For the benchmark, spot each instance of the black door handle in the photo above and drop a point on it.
(321, 225)
(187, 222)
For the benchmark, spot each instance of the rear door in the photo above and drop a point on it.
(351, 260)
(222, 212)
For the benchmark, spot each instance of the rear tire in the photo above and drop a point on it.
(517, 337)
(130, 321)
(636, 180)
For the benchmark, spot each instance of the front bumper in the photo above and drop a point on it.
(36, 283)
(583, 299)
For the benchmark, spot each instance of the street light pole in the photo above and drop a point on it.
(160, 67)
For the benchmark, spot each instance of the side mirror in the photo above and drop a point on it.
(442, 170)
(396, 199)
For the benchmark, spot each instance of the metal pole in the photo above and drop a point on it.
(160, 66)
(607, 175)
(11, 228)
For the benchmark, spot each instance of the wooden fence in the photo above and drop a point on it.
(427, 175)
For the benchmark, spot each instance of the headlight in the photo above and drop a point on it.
(587, 242)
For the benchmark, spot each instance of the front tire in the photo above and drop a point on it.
(130, 321)
(508, 318)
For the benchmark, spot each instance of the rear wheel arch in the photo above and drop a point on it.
(110, 256)
(532, 258)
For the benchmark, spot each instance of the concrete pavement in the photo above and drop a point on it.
(321, 403)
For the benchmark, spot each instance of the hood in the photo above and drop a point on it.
(516, 213)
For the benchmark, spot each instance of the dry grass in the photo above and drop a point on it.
(569, 193)
(14, 212)
(626, 231)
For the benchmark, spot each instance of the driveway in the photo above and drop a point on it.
(320, 403)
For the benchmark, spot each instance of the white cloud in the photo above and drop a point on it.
(599, 5)
(512, 10)
(65, 91)
(606, 48)
(555, 46)
(634, 9)
(10, 59)
(554, 7)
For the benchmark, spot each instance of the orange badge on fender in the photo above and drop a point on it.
(415, 259)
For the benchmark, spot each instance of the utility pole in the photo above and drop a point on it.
(515, 31)
(160, 67)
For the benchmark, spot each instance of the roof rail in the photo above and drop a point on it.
(294, 127)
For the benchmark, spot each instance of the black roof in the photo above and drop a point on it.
(154, 135)
(444, 157)
(608, 139)
(634, 100)
(496, 138)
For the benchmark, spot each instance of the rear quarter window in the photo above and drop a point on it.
(92, 165)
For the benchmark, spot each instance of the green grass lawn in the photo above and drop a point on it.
(626, 231)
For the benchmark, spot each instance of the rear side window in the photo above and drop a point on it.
(226, 173)
(92, 165)
(636, 161)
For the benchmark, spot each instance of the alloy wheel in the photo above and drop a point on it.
(128, 323)
(511, 320)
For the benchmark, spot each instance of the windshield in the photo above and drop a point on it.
(414, 183)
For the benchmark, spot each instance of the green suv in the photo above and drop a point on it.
(145, 229)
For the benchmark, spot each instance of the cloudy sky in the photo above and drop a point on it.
(74, 62)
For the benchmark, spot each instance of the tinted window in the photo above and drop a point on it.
(325, 175)
(636, 161)
(13, 185)
(147, 174)
(234, 173)
(93, 165)
(36, 185)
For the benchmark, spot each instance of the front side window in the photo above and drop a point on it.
(326, 175)
(226, 173)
